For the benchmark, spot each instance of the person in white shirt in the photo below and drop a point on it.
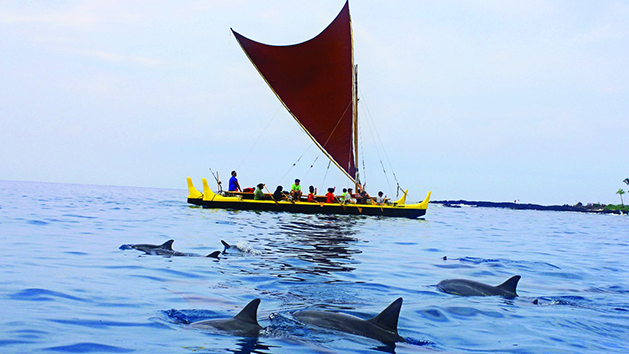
(381, 198)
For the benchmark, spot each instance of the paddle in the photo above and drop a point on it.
(276, 203)
(288, 197)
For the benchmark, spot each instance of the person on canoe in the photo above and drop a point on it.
(380, 199)
(233, 183)
(329, 196)
(259, 194)
(279, 194)
(347, 197)
(363, 197)
(295, 190)
(311, 195)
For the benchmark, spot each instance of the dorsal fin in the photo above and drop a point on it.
(250, 313)
(214, 254)
(510, 284)
(168, 245)
(227, 246)
(387, 319)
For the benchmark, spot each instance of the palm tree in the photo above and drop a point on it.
(620, 192)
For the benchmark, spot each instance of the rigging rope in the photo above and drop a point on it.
(326, 175)
(362, 154)
(310, 169)
(294, 164)
(322, 147)
(370, 120)
(258, 139)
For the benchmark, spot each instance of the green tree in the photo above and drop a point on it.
(620, 192)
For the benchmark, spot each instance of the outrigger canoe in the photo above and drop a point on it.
(245, 201)
(317, 82)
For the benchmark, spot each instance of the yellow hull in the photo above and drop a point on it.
(209, 199)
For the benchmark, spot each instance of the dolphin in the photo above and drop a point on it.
(240, 247)
(228, 246)
(382, 327)
(165, 249)
(471, 288)
(245, 323)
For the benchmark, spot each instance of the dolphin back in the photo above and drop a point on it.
(250, 313)
(464, 287)
(383, 327)
(388, 318)
(244, 323)
(510, 284)
(214, 254)
(168, 245)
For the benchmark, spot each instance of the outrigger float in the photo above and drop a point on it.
(317, 82)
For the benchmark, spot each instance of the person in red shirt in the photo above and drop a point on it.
(311, 195)
(329, 196)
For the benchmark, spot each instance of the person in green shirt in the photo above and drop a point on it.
(295, 190)
(343, 195)
(259, 194)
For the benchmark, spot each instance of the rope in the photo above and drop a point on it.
(254, 144)
(337, 124)
(325, 176)
(370, 120)
(310, 169)
(294, 164)
(362, 154)
(322, 146)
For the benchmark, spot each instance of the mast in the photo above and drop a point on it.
(354, 106)
(355, 123)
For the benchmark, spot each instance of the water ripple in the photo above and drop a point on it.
(104, 324)
(88, 348)
(35, 294)
(63, 273)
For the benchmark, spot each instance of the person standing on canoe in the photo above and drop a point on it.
(295, 190)
(233, 183)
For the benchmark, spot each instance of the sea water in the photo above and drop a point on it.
(66, 287)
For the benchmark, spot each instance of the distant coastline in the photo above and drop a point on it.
(588, 208)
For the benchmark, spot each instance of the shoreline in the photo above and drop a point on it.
(589, 208)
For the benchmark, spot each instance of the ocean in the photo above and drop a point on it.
(67, 287)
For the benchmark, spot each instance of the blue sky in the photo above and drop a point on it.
(477, 100)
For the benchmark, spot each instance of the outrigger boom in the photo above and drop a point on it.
(245, 201)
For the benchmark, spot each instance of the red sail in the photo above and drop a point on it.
(314, 80)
